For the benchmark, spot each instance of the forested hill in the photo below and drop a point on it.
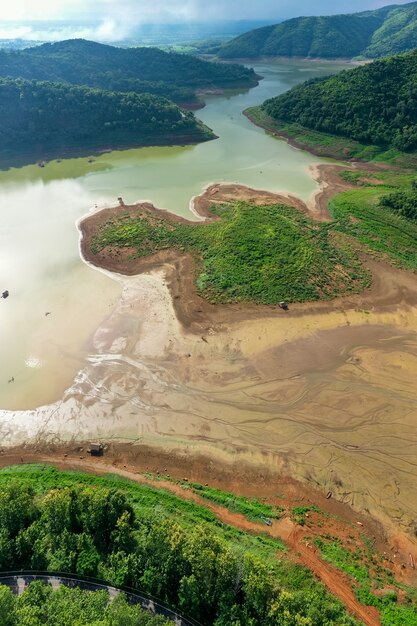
(370, 34)
(41, 119)
(141, 70)
(375, 103)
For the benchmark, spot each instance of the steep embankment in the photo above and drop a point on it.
(370, 34)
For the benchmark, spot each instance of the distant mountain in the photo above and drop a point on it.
(42, 119)
(374, 104)
(141, 70)
(371, 34)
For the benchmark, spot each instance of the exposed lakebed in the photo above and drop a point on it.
(327, 395)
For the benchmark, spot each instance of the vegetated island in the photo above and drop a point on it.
(258, 248)
(260, 254)
(204, 551)
(40, 120)
(175, 76)
(369, 34)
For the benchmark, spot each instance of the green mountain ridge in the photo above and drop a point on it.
(140, 70)
(369, 34)
(374, 104)
(40, 119)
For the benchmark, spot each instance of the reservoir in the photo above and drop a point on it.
(56, 301)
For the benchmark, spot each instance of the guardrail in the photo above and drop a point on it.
(134, 596)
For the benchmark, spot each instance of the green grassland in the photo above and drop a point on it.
(359, 214)
(261, 254)
(150, 539)
(253, 509)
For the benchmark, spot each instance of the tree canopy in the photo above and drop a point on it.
(40, 605)
(42, 117)
(140, 70)
(102, 532)
(374, 104)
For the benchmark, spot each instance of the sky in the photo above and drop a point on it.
(114, 20)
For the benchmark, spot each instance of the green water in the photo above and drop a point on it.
(39, 256)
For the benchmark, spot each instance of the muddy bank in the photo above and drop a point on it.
(324, 396)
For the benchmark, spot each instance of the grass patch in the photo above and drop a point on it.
(299, 514)
(253, 509)
(357, 214)
(261, 254)
(370, 577)
(348, 562)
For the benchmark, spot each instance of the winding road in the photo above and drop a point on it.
(19, 581)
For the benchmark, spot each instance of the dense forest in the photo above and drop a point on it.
(374, 104)
(42, 118)
(370, 34)
(40, 605)
(123, 535)
(140, 70)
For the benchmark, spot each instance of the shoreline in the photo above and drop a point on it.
(28, 158)
(172, 471)
(239, 476)
(269, 59)
(281, 134)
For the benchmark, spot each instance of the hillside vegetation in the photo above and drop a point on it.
(42, 118)
(370, 34)
(129, 534)
(140, 70)
(372, 104)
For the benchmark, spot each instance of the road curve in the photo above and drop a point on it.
(18, 581)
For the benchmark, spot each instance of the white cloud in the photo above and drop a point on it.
(113, 20)
(108, 30)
